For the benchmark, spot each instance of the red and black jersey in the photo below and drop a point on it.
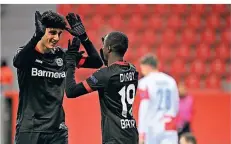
(41, 80)
(116, 85)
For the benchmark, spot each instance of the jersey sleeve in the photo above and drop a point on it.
(72, 88)
(141, 84)
(143, 90)
(90, 62)
(25, 55)
(93, 60)
(96, 81)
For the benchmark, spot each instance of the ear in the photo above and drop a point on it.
(109, 49)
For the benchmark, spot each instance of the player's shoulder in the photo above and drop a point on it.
(169, 78)
(142, 82)
(19, 49)
(100, 75)
(102, 71)
(132, 66)
(166, 75)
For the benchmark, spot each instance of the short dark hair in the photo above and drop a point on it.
(117, 41)
(189, 137)
(150, 60)
(53, 20)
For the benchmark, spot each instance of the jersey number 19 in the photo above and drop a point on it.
(127, 93)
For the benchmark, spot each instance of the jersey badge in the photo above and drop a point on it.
(59, 61)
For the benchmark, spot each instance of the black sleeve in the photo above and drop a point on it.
(93, 60)
(25, 55)
(74, 90)
(89, 47)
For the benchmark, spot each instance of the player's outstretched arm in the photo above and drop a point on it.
(24, 55)
(93, 83)
(93, 60)
(72, 88)
(78, 30)
(72, 57)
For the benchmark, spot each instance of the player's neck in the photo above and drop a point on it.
(153, 71)
(41, 48)
(114, 59)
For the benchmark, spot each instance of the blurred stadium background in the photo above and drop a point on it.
(192, 42)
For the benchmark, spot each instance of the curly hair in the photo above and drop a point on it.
(53, 20)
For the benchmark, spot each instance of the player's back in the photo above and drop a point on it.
(162, 101)
(116, 101)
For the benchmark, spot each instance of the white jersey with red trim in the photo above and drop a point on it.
(159, 104)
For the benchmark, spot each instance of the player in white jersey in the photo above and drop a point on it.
(158, 106)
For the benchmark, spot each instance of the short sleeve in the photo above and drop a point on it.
(143, 90)
(141, 85)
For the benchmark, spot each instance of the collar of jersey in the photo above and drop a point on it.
(51, 52)
(120, 63)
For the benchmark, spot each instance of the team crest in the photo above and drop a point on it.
(59, 61)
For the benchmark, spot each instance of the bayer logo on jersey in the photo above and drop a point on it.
(59, 61)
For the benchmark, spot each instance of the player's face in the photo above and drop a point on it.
(51, 37)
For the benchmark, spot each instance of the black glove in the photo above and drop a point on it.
(77, 28)
(73, 56)
(39, 27)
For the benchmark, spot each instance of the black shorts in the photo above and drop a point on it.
(60, 137)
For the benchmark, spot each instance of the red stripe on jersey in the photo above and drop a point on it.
(82, 61)
(121, 63)
(172, 124)
(143, 94)
(87, 87)
(37, 49)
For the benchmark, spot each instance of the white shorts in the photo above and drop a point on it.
(167, 137)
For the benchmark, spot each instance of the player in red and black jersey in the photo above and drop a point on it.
(116, 84)
(41, 69)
